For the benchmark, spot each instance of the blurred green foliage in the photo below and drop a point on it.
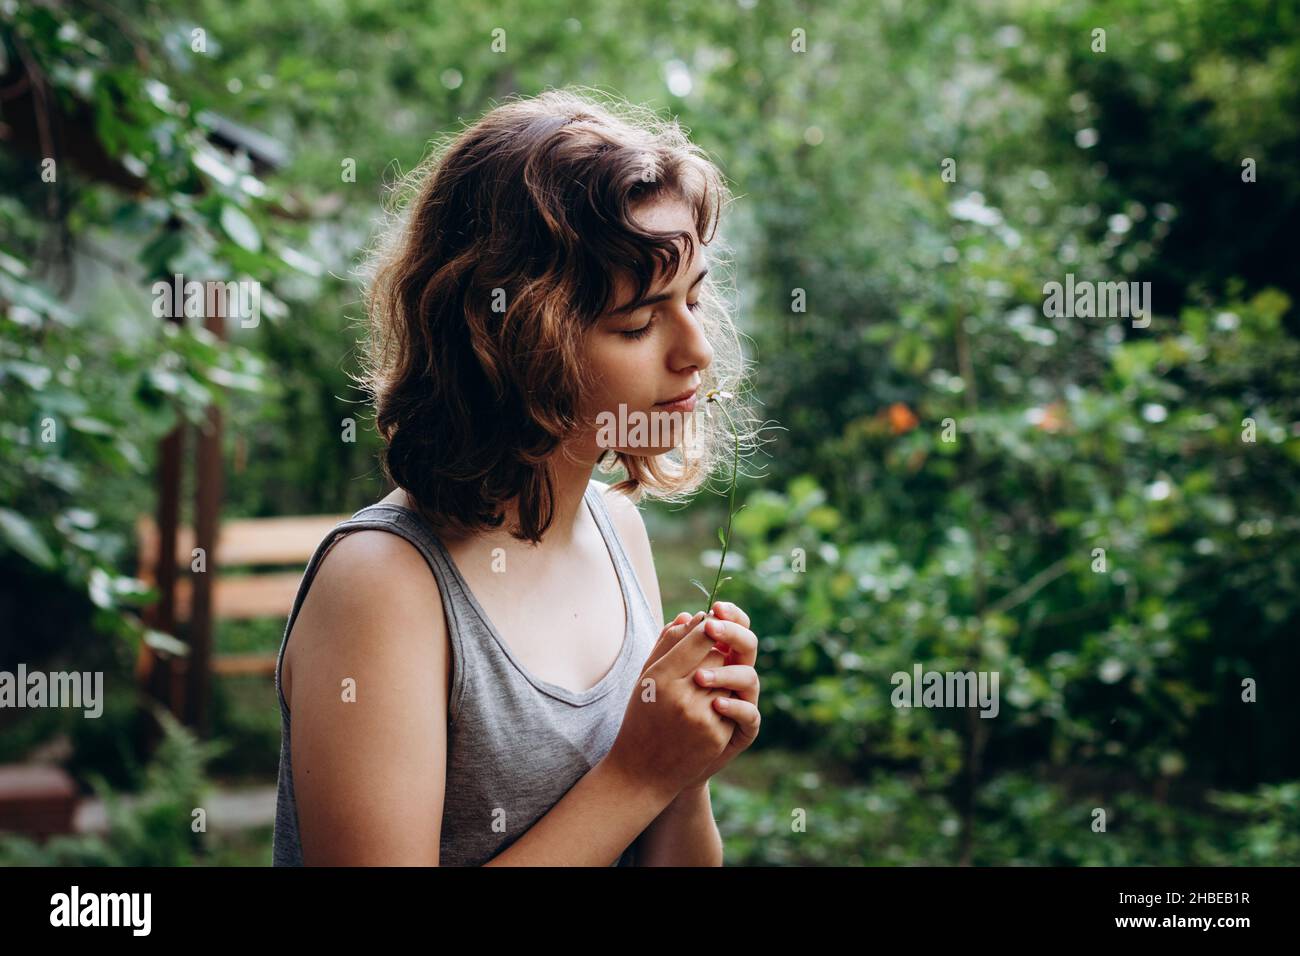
(154, 827)
(966, 482)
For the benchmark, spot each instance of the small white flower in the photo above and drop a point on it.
(714, 395)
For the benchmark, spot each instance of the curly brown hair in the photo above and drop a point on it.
(496, 257)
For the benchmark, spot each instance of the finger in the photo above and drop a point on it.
(675, 629)
(741, 642)
(738, 677)
(715, 657)
(730, 612)
(673, 632)
(712, 661)
(661, 643)
(744, 713)
(684, 628)
(726, 610)
(734, 644)
(689, 652)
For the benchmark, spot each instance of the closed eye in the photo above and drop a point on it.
(638, 333)
(645, 329)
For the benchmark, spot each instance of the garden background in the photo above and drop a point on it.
(1103, 513)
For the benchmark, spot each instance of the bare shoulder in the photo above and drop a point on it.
(626, 516)
(369, 582)
(368, 685)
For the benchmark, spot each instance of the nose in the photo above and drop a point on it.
(690, 346)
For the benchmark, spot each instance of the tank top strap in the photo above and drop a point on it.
(605, 521)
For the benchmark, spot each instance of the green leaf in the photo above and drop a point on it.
(91, 426)
(34, 376)
(157, 255)
(21, 535)
(166, 643)
(722, 540)
(240, 228)
(700, 586)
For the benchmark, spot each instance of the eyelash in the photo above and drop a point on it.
(645, 329)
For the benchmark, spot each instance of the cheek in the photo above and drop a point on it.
(623, 371)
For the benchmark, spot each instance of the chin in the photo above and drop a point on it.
(650, 452)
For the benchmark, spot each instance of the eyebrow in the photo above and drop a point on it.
(652, 299)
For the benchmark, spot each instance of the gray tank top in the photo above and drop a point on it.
(515, 743)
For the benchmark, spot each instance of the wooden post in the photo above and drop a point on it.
(207, 511)
(158, 676)
(162, 684)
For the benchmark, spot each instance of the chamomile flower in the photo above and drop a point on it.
(714, 395)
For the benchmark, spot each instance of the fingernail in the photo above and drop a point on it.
(714, 628)
(724, 702)
(707, 675)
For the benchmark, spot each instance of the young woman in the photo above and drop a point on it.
(475, 666)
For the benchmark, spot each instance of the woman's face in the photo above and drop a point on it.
(647, 353)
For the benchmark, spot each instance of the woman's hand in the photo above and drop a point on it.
(736, 650)
(671, 730)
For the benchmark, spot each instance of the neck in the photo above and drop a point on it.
(570, 473)
(569, 483)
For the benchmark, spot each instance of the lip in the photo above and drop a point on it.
(685, 405)
(681, 399)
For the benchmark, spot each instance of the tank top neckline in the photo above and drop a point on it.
(577, 698)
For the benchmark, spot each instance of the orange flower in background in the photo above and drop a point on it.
(901, 418)
(1051, 418)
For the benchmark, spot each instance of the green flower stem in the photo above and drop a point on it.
(731, 513)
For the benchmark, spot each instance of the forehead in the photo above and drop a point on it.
(666, 215)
